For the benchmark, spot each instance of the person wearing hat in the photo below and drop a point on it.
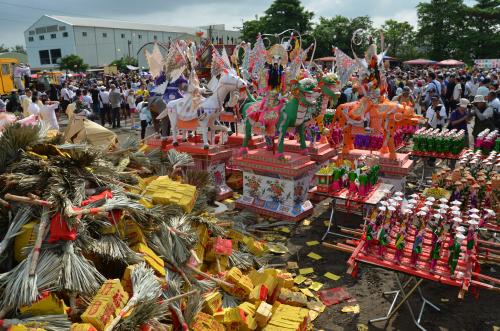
(405, 97)
(482, 115)
(460, 117)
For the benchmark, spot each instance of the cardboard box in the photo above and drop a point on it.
(151, 258)
(100, 312)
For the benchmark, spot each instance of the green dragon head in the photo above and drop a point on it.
(330, 84)
(306, 91)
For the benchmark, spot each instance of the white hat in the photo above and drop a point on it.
(406, 211)
(444, 206)
(384, 203)
(474, 216)
(409, 206)
(460, 236)
(431, 199)
(442, 211)
(429, 203)
(391, 208)
(421, 213)
(490, 212)
(382, 208)
(473, 222)
(455, 208)
(391, 200)
(438, 216)
(457, 220)
(464, 103)
(460, 229)
(456, 212)
(456, 203)
(479, 98)
(414, 196)
(412, 201)
(398, 198)
(425, 208)
(473, 211)
(399, 194)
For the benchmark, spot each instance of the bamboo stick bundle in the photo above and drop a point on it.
(22, 217)
(45, 322)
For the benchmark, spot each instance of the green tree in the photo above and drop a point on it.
(122, 63)
(251, 29)
(337, 31)
(443, 28)
(483, 35)
(3, 49)
(280, 16)
(73, 62)
(400, 37)
(18, 49)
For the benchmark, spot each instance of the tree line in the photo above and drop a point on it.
(446, 29)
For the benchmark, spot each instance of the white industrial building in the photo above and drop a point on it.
(99, 42)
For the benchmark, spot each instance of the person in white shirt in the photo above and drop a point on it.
(132, 108)
(66, 96)
(436, 113)
(33, 108)
(48, 113)
(87, 99)
(483, 88)
(105, 106)
(26, 101)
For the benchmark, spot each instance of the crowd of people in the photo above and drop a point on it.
(446, 98)
(111, 101)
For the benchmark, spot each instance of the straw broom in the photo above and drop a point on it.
(21, 218)
(145, 288)
(78, 274)
(45, 322)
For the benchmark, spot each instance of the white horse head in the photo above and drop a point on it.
(231, 78)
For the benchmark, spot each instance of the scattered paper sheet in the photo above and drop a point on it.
(314, 256)
(316, 306)
(351, 309)
(307, 292)
(326, 223)
(316, 286)
(312, 243)
(332, 276)
(285, 229)
(445, 300)
(306, 271)
(306, 222)
(362, 327)
(299, 279)
(292, 265)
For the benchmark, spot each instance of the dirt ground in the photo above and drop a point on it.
(469, 314)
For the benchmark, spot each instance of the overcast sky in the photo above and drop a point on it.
(16, 16)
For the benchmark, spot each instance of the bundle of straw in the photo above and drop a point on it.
(78, 274)
(145, 287)
(45, 322)
(22, 217)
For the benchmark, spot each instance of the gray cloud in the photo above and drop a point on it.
(14, 19)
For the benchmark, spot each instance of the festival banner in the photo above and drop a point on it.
(345, 66)
(487, 63)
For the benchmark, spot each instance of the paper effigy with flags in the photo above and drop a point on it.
(345, 66)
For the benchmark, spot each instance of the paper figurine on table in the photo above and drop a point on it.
(400, 242)
(383, 236)
(473, 198)
(471, 232)
(455, 250)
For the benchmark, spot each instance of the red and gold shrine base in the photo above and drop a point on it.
(212, 160)
(236, 141)
(399, 167)
(319, 153)
(276, 187)
(289, 165)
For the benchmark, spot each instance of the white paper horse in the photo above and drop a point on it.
(208, 111)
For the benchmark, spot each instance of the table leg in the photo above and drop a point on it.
(332, 225)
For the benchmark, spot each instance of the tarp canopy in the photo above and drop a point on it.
(81, 130)
(451, 63)
(417, 62)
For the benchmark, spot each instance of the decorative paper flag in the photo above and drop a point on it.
(299, 279)
(312, 243)
(316, 286)
(314, 256)
(331, 276)
(306, 271)
(345, 66)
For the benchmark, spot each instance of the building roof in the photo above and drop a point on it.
(116, 24)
